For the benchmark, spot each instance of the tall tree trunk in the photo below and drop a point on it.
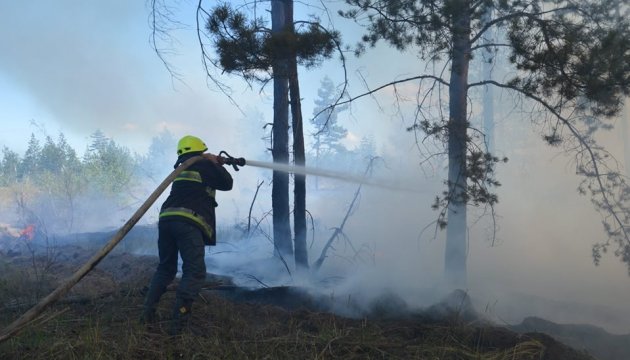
(625, 121)
(456, 239)
(299, 191)
(317, 146)
(280, 147)
(488, 94)
(625, 125)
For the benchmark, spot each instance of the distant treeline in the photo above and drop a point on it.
(60, 191)
(105, 167)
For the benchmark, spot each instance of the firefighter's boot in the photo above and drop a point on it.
(151, 300)
(181, 316)
(148, 316)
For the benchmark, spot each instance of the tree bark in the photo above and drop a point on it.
(625, 135)
(280, 146)
(488, 94)
(456, 239)
(299, 190)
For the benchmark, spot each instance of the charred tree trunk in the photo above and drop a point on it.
(456, 244)
(280, 147)
(299, 190)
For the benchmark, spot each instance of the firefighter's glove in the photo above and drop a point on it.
(214, 158)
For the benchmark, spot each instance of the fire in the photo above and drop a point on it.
(28, 232)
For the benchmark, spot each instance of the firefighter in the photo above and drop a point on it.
(186, 225)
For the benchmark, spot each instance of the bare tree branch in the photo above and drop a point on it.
(206, 59)
(339, 230)
(370, 92)
(249, 217)
(611, 206)
(162, 22)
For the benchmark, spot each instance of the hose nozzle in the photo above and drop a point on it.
(231, 160)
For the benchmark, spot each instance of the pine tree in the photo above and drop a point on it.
(30, 163)
(328, 133)
(107, 165)
(158, 161)
(9, 167)
(253, 51)
(570, 59)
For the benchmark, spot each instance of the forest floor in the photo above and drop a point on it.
(98, 319)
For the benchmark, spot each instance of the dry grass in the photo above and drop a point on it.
(107, 327)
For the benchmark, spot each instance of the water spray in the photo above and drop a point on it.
(303, 170)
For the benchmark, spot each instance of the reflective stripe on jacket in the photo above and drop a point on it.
(189, 176)
(189, 214)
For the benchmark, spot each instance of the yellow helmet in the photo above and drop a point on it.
(189, 144)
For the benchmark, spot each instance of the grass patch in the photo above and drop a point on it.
(89, 325)
(108, 329)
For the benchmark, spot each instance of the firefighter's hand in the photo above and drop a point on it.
(214, 158)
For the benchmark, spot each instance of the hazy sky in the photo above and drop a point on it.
(75, 66)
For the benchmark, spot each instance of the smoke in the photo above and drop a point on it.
(543, 251)
(537, 262)
(89, 65)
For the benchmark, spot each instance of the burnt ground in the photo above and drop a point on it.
(98, 319)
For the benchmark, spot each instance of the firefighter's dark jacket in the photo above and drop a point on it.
(192, 195)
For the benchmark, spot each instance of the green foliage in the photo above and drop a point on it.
(240, 43)
(59, 169)
(313, 44)
(420, 24)
(9, 166)
(575, 52)
(29, 165)
(52, 156)
(328, 133)
(107, 165)
(56, 178)
(40, 161)
(248, 47)
(54, 169)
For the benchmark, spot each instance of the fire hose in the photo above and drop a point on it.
(63, 289)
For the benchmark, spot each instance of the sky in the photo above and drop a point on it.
(77, 66)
